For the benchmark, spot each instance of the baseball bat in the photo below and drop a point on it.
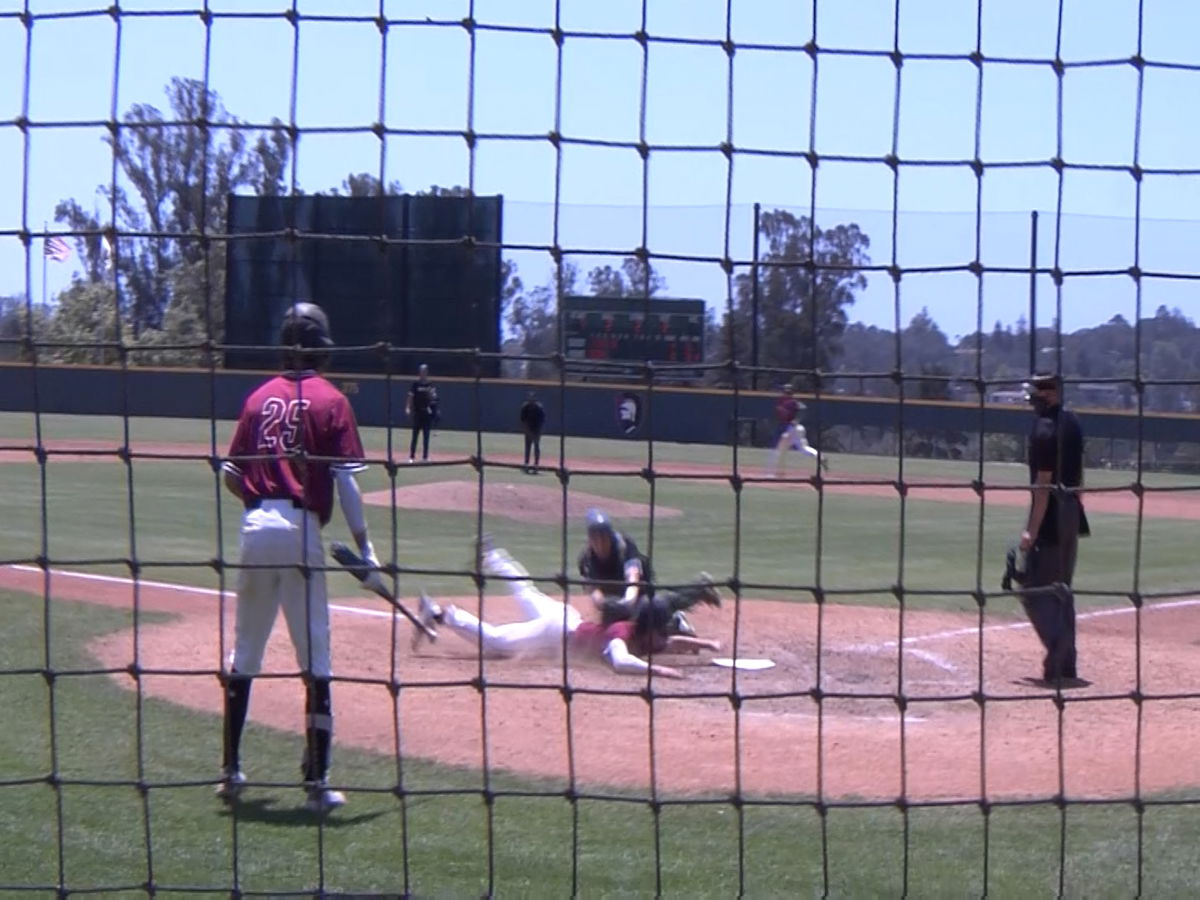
(369, 578)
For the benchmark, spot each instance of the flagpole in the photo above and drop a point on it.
(45, 226)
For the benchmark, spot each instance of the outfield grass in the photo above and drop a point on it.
(772, 538)
(432, 843)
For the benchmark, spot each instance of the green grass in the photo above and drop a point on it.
(772, 538)
(433, 843)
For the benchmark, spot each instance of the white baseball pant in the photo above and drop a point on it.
(547, 621)
(794, 437)
(281, 538)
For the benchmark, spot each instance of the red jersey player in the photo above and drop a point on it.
(789, 435)
(296, 436)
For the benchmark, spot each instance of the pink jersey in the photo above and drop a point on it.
(292, 431)
(592, 637)
(786, 410)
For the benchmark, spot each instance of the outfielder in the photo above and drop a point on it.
(550, 622)
(790, 435)
(296, 436)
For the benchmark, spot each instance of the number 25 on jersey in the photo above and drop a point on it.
(281, 424)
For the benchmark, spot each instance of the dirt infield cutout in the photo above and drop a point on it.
(522, 502)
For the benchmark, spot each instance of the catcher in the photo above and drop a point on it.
(619, 579)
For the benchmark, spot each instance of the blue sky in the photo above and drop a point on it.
(75, 63)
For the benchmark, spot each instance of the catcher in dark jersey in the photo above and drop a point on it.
(618, 578)
(550, 622)
(295, 438)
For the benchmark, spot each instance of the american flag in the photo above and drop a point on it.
(57, 249)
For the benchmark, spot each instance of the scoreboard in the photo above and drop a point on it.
(634, 329)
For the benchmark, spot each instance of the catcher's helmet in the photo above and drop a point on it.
(598, 522)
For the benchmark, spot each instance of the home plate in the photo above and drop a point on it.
(742, 662)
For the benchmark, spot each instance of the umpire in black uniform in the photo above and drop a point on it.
(1056, 522)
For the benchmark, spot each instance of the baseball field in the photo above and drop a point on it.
(896, 747)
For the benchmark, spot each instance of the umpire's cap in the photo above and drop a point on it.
(305, 325)
(598, 522)
(1042, 381)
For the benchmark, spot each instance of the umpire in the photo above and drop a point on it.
(1055, 524)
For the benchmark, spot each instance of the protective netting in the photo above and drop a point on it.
(816, 651)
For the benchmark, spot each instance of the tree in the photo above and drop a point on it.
(86, 313)
(807, 278)
(437, 191)
(923, 345)
(635, 278)
(532, 317)
(364, 184)
(188, 319)
(176, 182)
(867, 350)
(14, 327)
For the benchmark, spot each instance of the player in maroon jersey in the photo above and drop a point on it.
(549, 622)
(296, 436)
(789, 435)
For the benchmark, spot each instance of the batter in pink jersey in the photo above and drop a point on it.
(295, 438)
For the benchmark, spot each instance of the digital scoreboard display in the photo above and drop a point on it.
(634, 329)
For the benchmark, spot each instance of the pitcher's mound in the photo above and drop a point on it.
(523, 502)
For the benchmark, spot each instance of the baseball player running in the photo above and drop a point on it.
(549, 622)
(296, 436)
(790, 435)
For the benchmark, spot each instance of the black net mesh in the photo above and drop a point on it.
(876, 775)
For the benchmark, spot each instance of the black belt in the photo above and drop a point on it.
(257, 502)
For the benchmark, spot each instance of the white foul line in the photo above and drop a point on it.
(1013, 626)
(182, 588)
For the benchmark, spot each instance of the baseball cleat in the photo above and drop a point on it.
(231, 785)
(322, 798)
(429, 614)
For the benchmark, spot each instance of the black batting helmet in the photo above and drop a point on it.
(652, 623)
(305, 325)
